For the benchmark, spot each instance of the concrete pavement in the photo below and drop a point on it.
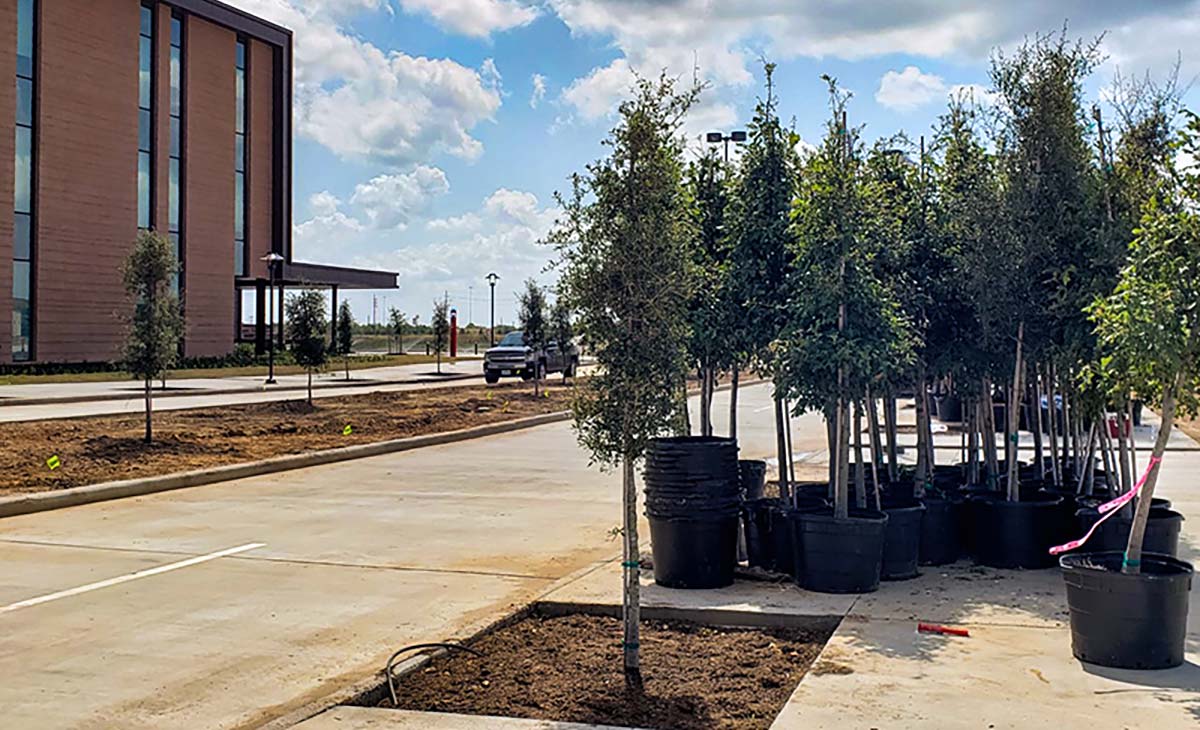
(69, 400)
(229, 605)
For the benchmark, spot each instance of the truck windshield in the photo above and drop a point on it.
(513, 339)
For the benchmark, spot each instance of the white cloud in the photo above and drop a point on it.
(366, 104)
(323, 203)
(539, 90)
(501, 235)
(478, 18)
(389, 201)
(597, 94)
(909, 89)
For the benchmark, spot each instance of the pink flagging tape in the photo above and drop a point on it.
(1108, 509)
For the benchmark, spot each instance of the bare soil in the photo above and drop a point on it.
(1190, 426)
(568, 669)
(108, 448)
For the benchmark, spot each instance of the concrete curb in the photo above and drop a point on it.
(8, 402)
(75, 496)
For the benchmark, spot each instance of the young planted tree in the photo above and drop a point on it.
(532, 316)
(439, 327)
(760, 237)
(397, 324)
(306, 327)
(843, 329)
(623, 243)
(1049, 202)
(345, 334)
(1149, 327)
(156, 323)
(711, 306)
(562, 331)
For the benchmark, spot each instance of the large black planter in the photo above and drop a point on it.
(902, 540)
(941, 531)
(839, 556)
(693, 553)
(949, 409)
(1127, 621)
(693, 502)
(1016, 534)
(783, 544)
(1161, 536)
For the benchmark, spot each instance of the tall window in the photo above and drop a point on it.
(145, 175)
(174, 185)
(239, 166)
(22, 307)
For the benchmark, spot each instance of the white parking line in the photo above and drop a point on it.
(130, 576)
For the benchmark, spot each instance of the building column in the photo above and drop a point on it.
(333, 321)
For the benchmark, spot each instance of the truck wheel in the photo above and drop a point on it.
(491, 378)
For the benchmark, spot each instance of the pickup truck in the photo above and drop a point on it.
(513, 358)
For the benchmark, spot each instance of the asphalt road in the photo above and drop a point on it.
(229, 605)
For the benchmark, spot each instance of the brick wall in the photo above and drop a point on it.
(8, 114)
(87, 175)
(209, 196)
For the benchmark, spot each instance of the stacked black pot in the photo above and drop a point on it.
(693, 501)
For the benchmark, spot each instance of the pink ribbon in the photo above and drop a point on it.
(1108, 509)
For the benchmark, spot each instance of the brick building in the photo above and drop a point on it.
(144, 114)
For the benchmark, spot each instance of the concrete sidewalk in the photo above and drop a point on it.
(231, 605)
(71, 400)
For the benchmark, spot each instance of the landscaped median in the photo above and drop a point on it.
(53, 455)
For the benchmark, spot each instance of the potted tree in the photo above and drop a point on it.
(622, 243)
(843, 329)
(1129, 609)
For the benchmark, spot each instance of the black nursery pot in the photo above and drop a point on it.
(783, 548)
(902, 540)
(1127, 621)
(941, 531)
(1161, 536)
(839, 556)
(693, 553)
(1016, 534)
(756, 519)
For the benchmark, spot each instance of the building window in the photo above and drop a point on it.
(23, 198)
(145, 168)
(176, 171)
(239, 166)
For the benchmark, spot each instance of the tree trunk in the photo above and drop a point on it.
(860, 467)
(439, 361)
(876, 450)
(1052, 412)
(841, 496)
(149, 410)
(972, 423)
(1035, 400)
(787, 420)
(889, 420)
(630, 597)
(1133, 550)
(831, 435)
(733, 400)
(347, 368)
(1133, 469)
(1123, 448)
(1014, 421)
(785, 492)
(988, 416)
(1085, 485)
(310, 386)
(922, 473)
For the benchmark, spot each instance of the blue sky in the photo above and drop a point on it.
(432, 134)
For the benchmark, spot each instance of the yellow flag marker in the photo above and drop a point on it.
(347, 430)
(53, 462)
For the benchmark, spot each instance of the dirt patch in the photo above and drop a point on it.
(107, 448)
(568, 669)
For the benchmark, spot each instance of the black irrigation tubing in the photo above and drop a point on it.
(391, 680)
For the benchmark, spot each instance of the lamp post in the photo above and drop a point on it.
(738, 137)
(492, 278)
(272, 260)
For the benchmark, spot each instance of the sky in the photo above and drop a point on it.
(431, 135)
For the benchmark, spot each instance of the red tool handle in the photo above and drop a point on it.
(939, 629)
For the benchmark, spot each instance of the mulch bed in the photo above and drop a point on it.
(108, 448)
(568, 669)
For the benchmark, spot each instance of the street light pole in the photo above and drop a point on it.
(737, 136)
(272, 260)
(492, 278)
